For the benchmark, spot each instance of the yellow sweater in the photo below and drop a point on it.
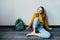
(41, 20)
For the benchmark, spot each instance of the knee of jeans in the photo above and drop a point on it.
(48, 35)
(45, 36)
(36, 19)
(35, 22)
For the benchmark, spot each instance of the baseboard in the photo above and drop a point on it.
(12, 26)
(54, 26)
(9, 26)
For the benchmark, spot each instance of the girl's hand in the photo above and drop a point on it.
(50, 28)
(37, 15)
(26, 28)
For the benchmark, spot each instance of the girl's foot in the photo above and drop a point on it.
(32, 34)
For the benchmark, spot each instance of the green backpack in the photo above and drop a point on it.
(19, 25)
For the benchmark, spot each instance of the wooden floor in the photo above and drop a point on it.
(10, 34)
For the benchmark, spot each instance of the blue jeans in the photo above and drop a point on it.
(42, 32)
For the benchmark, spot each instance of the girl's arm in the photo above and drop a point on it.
(46, 23)
(31, 22)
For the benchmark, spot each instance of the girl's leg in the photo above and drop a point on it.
(45, 34)
(35, 23)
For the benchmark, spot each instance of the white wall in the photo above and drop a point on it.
(11, 10)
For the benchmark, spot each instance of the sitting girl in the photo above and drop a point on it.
(38, 22)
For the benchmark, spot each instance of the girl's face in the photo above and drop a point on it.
(39, 10)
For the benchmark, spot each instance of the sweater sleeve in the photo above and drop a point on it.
(31, 22)
(46, 22)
